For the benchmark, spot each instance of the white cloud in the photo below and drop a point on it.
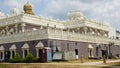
(102, 10)
(19, 3)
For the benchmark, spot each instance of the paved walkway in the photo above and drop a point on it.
(100, 63)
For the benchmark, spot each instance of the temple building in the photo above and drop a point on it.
(26, 32)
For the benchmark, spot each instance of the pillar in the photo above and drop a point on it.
(61, 33)
(0, 56)
(23, 54)
(3, 57)
(23, 27)
(73, 32)
(48, 28)
(41, 27)
(11, 54)
(54, 31)
(89, 52)
(37, 53)
(7, 32)
(16, 28)
(68, 33)
(85, 30)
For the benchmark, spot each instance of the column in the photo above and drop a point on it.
(88, 52)
(11, 54)
(89, 30)
(101, 32)
(41, 27)
(23, 54)
(16, 28)
(23, 27)
(94, 32)
(37, 53)
(91, 52)
(0, 56)
(3, 57)
(85, 30)
(7, 32)
(48, 28)
(54, 31)
(61, 33)
(67, 33)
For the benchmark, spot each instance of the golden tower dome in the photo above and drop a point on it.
(28, 9)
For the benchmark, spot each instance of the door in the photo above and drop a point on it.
(104, 53)
(76, 53)
(43, 57)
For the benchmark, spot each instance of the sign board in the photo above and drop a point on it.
(57, 56)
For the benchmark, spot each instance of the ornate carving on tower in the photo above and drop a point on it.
(28, 9)
(14, 12)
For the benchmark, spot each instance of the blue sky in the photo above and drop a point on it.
(105, 11)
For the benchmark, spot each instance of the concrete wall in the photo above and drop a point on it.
(65, 46)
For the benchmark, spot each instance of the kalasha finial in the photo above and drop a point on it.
(28, 8)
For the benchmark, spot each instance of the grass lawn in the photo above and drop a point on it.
(5, 66)
(114, 64)
(43, 66)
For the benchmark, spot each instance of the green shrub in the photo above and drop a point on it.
(35, 60)
(28, 58)
(11, 61)
(16, 58)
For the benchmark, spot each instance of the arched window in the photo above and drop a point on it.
(39, 46)
(90, 50)
(25, 49)
(12, 51)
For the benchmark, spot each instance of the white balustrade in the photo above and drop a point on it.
(60, 35)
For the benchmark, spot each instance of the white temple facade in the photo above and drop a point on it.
(22, 32)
